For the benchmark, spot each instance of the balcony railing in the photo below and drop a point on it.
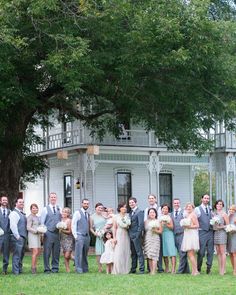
(225, 140)
(134, 138)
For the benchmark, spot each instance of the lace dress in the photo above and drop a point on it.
(190, 240)
(220, 235)
(121, 263)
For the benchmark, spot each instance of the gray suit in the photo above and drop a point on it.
(52, 240)
(5, 239)
(179, 233)
(82, 242)
(135, 233)
(206, 239)
(18, 245)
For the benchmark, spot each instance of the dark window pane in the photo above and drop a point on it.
(68, 190)
(123, 186)
(165, 181)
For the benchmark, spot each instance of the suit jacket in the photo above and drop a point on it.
(137, 224)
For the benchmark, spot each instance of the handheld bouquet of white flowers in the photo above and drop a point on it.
(230, 228)
(165, 218)
(1, 232)
(61, 225)
(185, 222)
(215, 220)
(42, 229)
(154, 224)
(124, 222)
(100, 233)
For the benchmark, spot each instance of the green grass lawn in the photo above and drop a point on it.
(96, 283)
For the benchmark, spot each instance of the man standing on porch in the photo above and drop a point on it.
(51, 215)
(176, 216)
(206, 236)
(80, 231)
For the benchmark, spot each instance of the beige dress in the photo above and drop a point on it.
(121, 264)
(33, 238)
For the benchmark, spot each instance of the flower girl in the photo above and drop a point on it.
(107, 256)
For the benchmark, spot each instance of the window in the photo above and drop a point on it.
(125, 131)
(68, 191)
(165, 183)
(67, 134)
(123, 186)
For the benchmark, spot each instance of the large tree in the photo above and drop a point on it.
(168, 65)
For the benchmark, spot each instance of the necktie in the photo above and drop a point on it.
(54, 210)
(86, 215)
(206, 211)
(176, 213)
(4, 212)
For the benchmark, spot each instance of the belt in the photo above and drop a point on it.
(84, 235)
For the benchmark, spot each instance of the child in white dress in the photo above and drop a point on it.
(107, 256)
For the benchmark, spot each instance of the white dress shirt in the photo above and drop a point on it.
(14, 219)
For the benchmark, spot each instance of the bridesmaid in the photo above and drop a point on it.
(34, 242)
(97, 224)
(66, 237)
(190, 242)
(152, 240)
(231, 247)
(168, 241)
(220, 235)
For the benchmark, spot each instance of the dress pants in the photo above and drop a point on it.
(136, 254)
(51, 247)
(18, 247)
(5, 250)
(81, 253)
(206, 240)
(183, 256)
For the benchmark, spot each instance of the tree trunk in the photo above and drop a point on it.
(11, 157)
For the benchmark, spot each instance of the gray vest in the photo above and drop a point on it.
(204, 220)
(52, 219)
(22, 224)
(5, 222)
(82, 225)
(176, 221)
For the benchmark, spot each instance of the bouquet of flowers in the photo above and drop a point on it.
(154, 224)
(61, 225)
(1, 232)
(41, 229)
(230, 228)
(124, 222)
(100, 233)
(165, 218)
(215, 220)
(185, 222)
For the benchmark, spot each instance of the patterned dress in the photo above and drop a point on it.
(231, 246)
(67, 242)
(220, 235)
(151, 243)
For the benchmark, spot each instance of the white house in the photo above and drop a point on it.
(135, 164)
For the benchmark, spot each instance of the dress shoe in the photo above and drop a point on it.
(208, 271)
(160, 270)
(132, 272)
(4, 272)
(140, 273)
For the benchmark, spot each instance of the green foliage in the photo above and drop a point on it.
(167, 65)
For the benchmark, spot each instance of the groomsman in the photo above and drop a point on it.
(80, 231)
(177, 215)
(206, 237)
(5, 239)
(18, 226)
(135, 233)
(51, 215)
(152, 203)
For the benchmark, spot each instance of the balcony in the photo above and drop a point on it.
(226, 140)
(81, 137)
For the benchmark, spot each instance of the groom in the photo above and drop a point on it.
(135, 233)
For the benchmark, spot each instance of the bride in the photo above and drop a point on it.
(121, 263)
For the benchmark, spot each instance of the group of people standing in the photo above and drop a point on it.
(123, 240)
